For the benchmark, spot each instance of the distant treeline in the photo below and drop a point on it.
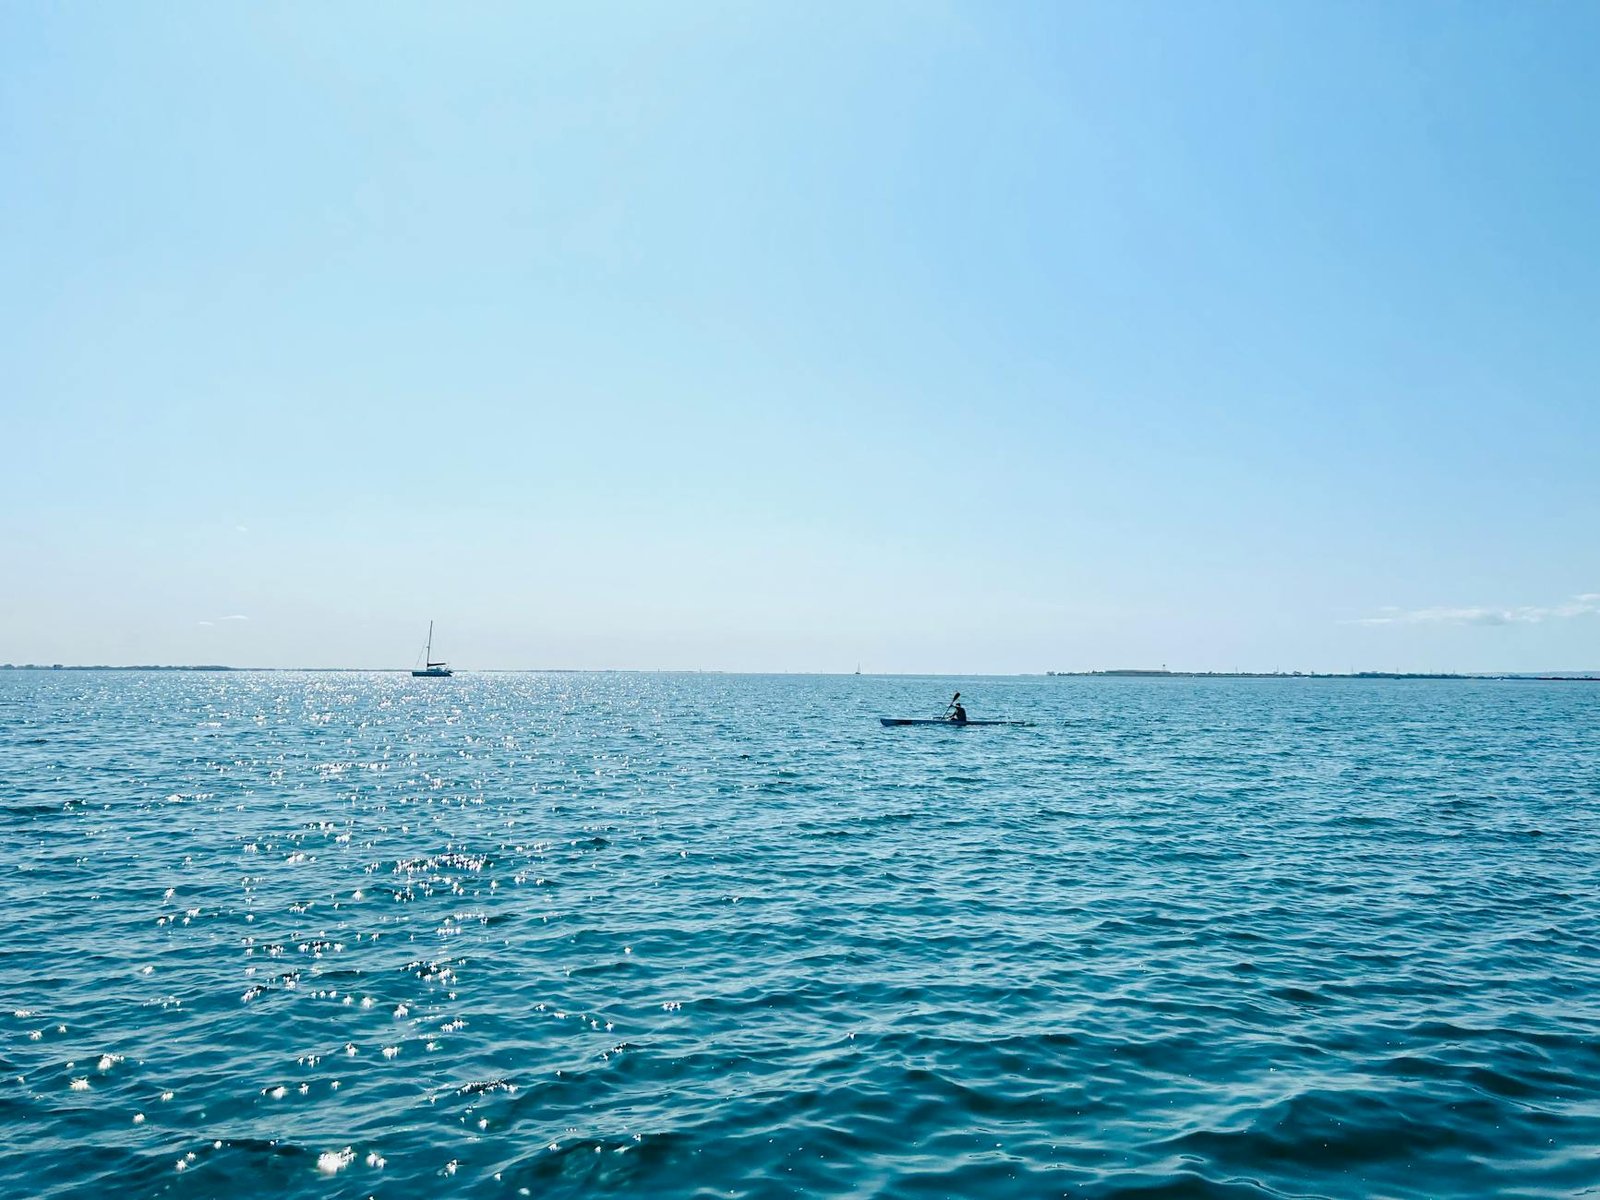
(1141, 673)
(1567, 676)
(64, 667)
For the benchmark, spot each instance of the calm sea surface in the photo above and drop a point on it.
(693, 935)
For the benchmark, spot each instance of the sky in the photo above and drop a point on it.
(922, 337)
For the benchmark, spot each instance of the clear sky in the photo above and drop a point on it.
(929, 337)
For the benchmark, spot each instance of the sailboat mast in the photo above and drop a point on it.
(428, 657)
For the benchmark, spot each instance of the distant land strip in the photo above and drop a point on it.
(1123, 673)
(1163, 673)
(85, 667)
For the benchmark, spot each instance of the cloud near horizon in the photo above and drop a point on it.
(1587, 604)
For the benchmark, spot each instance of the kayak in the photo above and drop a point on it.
(957, 724)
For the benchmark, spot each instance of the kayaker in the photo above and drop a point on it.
(959, 716)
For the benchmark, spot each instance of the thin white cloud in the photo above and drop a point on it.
(208, 622)
(235, 617)
(1585, 605)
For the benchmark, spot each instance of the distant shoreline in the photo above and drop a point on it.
(1551, 676)
(1528, 676)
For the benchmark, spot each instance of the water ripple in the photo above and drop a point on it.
(568, 935)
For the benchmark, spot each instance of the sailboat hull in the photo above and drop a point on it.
(433, 673)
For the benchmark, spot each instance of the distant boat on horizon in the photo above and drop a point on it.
(431, 669)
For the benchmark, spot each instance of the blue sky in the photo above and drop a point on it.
(967, 337)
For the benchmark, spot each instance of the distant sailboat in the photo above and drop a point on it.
(431, 669)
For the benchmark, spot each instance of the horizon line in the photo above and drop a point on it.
(1101, 673)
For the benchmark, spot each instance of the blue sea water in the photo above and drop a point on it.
(564, 935)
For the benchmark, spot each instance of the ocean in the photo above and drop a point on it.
(675, 935)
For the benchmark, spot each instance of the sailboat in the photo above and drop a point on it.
(431, 669)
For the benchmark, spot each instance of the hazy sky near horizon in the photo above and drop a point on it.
(929, 337)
